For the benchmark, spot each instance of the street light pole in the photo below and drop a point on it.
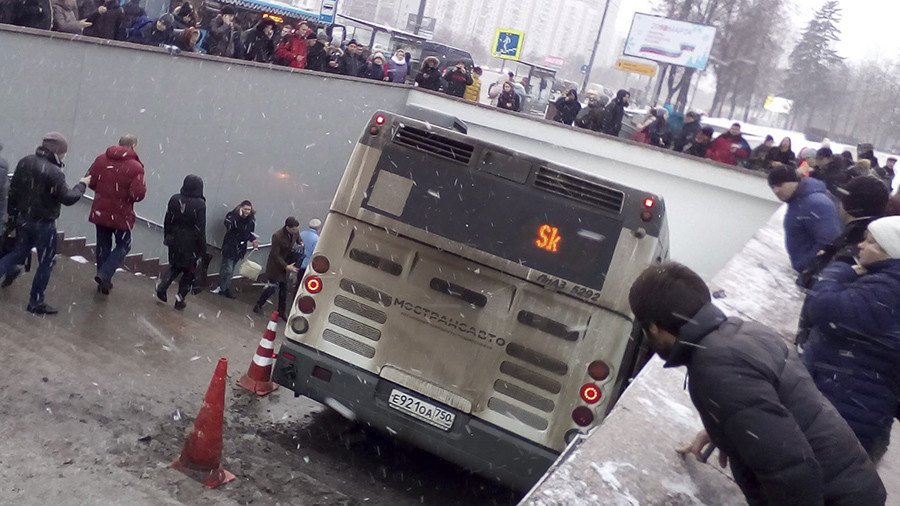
(587, 74)
(420, 16)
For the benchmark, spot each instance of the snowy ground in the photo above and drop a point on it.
(96, 402)
(631, 458)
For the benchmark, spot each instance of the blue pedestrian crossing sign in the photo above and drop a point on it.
(508, 44)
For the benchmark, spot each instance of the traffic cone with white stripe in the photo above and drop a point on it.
(258, 378)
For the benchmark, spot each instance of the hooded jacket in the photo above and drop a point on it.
(785, 443)
(853, 352)
(184, 227)
(810, 224)
(317, 57)
(397, 71)
(117, 178)
(429, 77)
(509, 100)
(38, 188)
(615, 113)
(567, 111)
(720, 149)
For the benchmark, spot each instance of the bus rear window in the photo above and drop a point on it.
(547, 231)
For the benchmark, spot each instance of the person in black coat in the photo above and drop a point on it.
(688, 131)
(782, 154)
(155, 33)
(27, 13)
(375, 68)
(759, 405)
(108, 22)
(240, 224)
(429, 77)
(457, 79)
(259, 43)
(615, 113)
(351, 62)
(184, 232)
(700, 143)
(37, 191)
(509, 99)
(567, 108)
(316, 54)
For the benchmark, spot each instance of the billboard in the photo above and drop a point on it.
(670, 41)
(778, 105)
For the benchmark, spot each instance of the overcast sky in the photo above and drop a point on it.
(870, 29)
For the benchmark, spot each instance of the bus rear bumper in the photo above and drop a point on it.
(360, 395)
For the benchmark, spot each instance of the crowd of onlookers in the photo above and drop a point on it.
(300, 46)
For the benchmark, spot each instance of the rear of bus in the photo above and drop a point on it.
(469, 299)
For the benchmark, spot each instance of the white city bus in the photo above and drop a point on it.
(470, 299)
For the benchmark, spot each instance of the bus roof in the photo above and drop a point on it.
(274, 7)
(384, 28)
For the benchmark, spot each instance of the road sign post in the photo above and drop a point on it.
(508, 44)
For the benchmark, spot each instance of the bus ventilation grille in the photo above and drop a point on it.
(580, 190)
(435, 144)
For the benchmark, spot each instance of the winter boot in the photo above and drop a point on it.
(180, 304)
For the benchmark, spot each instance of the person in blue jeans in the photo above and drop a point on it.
(37, 191)
(117, 178)
(309, 237)
(240, 224)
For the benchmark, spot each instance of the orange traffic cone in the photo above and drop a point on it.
(201, 457)
(259, 376)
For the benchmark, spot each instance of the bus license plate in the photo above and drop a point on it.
(417, 408)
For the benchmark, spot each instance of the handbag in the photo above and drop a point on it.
(249, 269)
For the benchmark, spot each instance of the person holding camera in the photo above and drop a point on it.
(457, 79)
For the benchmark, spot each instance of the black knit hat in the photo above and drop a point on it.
(864, 196)
(784, 174)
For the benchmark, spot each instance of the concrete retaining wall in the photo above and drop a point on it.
(281, 138)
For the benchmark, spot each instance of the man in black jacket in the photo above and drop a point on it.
(37, 191)
(457, 79)
(786, 443)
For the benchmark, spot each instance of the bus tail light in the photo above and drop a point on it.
(299, 325)
(598, 370)
(320, 264)
(649, 203)
(380, 119)
(306, 304)
(288, 355)
(321, 373)
(583, 416)
(591, 393)
(313, 284)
